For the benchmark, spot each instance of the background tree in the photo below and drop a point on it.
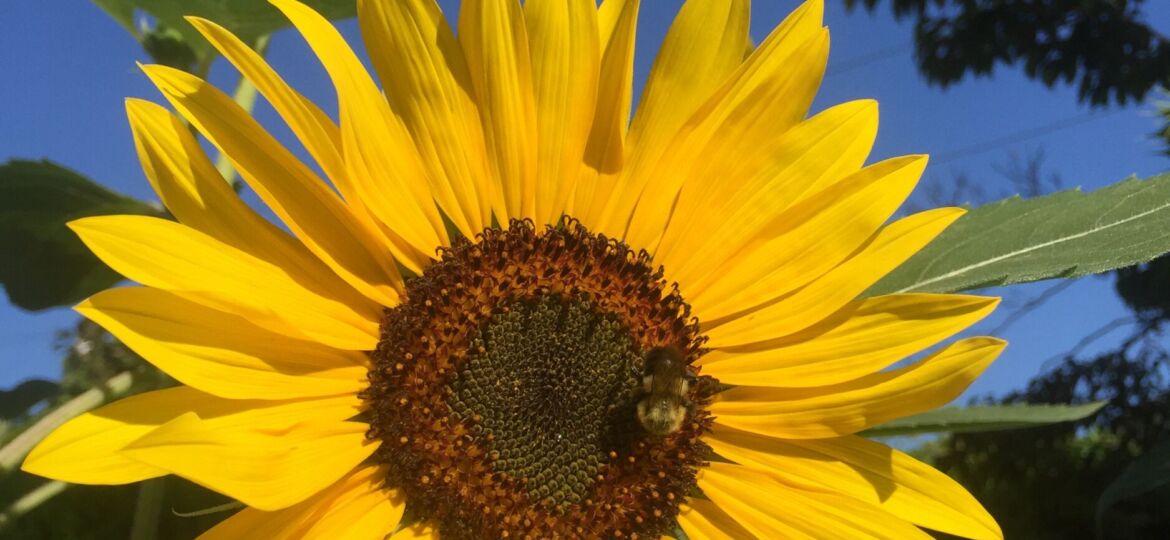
(1046, 483)
(1104, 43)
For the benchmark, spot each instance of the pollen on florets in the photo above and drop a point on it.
(504, 387)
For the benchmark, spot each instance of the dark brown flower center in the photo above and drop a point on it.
(554, 382)
(505, 389)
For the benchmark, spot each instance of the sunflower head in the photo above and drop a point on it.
(509, 311)
(504, 387)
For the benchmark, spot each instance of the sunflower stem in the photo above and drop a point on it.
(13, 452)
(29, 501)
(245, 97)
(147, 509)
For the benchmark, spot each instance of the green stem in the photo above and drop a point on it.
(29, 501)
(245, 97)
(12, 453)
(233, 505)
(147, 509)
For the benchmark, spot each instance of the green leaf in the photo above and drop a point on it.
(42, 263)
(247, 19)
(983, 418)
(1067, 234)
(1150, 471)
(168, 47)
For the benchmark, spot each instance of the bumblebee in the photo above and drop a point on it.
(666, 382)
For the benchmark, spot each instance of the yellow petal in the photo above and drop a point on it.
(889, 248)
(356, 507)
(702, 519)
(495, 42)
(565, 47)
(316, 131)
(718, 218)
(846, 408)
(702, 48)
(770, 509)
(86, 449)
(605, 150)
(866, 471)
(170, 256)
(807, 240)
(269, 464)
(220, 353)
(789, 63)
(865, 337)
(310, 124)
(380, 157)
(310, 209)
(428, 86)
(197, 195)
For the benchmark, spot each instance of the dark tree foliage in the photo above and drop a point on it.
(1145, 288)
(91, 357)
(1044, 483)
(1105, 44)
(1164, 132)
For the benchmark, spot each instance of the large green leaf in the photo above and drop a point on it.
(1067, 234)
(17, 401)
(248, 19)
(984, 418)
(1148, 472)
(42, 263)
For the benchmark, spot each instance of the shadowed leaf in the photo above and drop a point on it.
(42, 263)
(1148, 472)
(17, 401)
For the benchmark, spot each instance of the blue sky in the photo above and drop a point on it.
(67, 68)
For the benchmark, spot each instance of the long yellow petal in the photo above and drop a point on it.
(789, 63)
(846, 408)
(310, 209)
(309, 123)
(316, 131)
(164, 254)
(428, 86)
(865, 337)
(809, 239)
(356, 507)
(197, 195)
(495, 42)
(889, 248)
(605, 150)
(220, 353)
(867, 471)
(718, 218)
(702, 519)
(770, 509)
(380, 156)
(86, 449)
(269, 464)
(702, 48)
(566, 56)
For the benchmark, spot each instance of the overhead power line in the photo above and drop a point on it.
(1020, 136)
(860, 61)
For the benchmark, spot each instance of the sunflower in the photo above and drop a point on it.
(512, 313)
